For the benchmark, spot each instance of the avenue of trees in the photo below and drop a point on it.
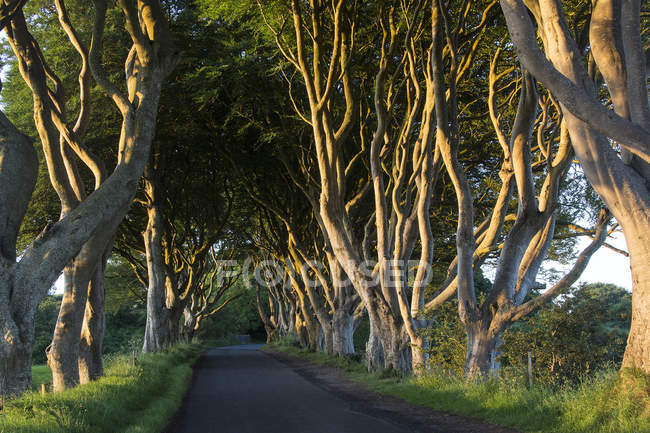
(405, 169)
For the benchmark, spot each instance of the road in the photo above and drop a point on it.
(239, 389)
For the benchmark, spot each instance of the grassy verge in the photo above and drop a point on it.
(594, 406)
(135, 396)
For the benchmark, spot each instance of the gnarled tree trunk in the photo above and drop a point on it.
(86, 268)
(91, 366)
(343, 332)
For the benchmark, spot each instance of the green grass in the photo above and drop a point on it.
(41, 374)
(597, 405)
(135, 396)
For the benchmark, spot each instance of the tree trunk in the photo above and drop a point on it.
(189, 324)
(637, 351)
(328, 336)
(157, 334)
(374, 350)
(18, 172)
(394, 342)
(16, 367)
(495, 363)
(343, 332)
(480, 347)
(313, 331)
(268, 326)
(419, 355)
(92, 333)
(63, 354)
(301, 331)
(397, 354)
(174, 324)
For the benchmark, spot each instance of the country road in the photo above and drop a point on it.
(239, 389)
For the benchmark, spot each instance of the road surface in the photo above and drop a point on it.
(239, 389)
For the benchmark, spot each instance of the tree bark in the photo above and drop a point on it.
(374, 350)
(481, 344)
(16, 367)
(18, 172)
(91, 365)
(64, 351)
(157, 333)
(343, 332)
(637, 351)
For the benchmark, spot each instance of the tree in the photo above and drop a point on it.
(25, 282)
(619, 177)
(181, 221)
(526, 244)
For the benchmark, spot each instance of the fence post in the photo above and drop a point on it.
(530, 370)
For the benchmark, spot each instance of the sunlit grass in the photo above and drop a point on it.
(598, 405)
(135, 396)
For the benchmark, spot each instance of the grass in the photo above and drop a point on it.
(597, 405)
(135, 396)
(41, 374)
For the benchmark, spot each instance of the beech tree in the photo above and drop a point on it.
(314, 275)
(611, 145)
(332, 213)
(26, 281)
(83, 277)
(174, 239)
(527, 242)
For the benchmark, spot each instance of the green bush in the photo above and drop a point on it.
(44, 322)
(124, 327)
(582, 333)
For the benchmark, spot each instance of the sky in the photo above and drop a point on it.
(607, 266)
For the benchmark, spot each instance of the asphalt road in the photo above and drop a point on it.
(239, 389)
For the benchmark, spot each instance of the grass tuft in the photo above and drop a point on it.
(135, 396)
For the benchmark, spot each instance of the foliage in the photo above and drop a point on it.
(582, 333)
(238, 317)
(361, 335)
(44, 322)
(132, 397)
(447, 340)
(121, 285)
(124, 327)
(17, 102)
